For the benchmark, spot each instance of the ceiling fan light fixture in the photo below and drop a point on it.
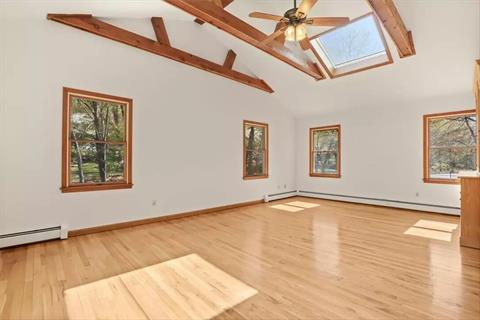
(296, 32)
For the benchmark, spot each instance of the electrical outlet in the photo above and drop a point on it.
(154, 203)
(417, 194)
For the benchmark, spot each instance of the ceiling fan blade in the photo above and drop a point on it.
(274, 35)
(327, 21)
(304, 8)
(266, 16)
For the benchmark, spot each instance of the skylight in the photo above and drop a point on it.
(355, 46)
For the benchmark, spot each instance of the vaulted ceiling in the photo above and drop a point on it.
(446, 35)
(447, 41)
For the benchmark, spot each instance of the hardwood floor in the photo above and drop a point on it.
(183, 288)
(333, 261)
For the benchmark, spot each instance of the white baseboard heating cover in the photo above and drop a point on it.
(24, 237)
(278, 196)
(383, 202)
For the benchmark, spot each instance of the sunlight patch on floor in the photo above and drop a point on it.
(302, 204)
(284, 207)
(436, 225)
(431, 229)
(184, 288)
(428, 233)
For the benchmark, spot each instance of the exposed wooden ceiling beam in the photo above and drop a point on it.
(160, 31)
(274, 35)
(320, 60)
(230, 59)
(393, 23)
(90, 24)
(220, 3)
(305, 44)
(280, 38)
(211, 13)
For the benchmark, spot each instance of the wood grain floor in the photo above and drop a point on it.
(187, 288)
(333, 261)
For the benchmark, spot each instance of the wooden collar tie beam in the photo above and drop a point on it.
(161, 47)
(211, 12)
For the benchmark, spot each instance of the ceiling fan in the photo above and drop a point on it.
(292, 26)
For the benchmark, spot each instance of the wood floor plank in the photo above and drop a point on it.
(105, 299)
(333, 261)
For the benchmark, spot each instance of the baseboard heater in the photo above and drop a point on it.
(24, 237)
(383, 202)
(281, 195)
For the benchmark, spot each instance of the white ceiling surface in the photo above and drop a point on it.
(446, 35)
(447, 41)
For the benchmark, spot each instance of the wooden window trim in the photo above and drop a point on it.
(332, 72)
(256, 124)
(426, 145)
(66, 146)
(339, 152)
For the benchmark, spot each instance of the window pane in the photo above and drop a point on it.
(325, 140)
(81, 123)
(255, 164)
(453, 131)
(96, 163)
(115, 122)
(325, 162)
(97, 120)
(446, 163)
(357, 40)
(83, 164)
(254, 137)
(115, 163)
(452, 142)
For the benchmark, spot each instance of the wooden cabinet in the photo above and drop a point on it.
(470, 218)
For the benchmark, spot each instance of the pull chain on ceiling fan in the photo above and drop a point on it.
(293, 23)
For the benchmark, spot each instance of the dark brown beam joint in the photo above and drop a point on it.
(92, 25)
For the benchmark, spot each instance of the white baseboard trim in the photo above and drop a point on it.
(383, 202)
(281, 195)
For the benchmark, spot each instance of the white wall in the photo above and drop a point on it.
(187, 146)
(181, 112)
(381, 110)
(382, 152)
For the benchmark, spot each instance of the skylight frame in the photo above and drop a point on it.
(365, 63)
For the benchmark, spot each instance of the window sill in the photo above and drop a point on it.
(325, 175)
(96, 187)
(255, 177)
(441, 181)
(337, 73)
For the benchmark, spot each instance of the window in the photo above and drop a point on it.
(354, 47)
(255, 150)
(97, 141)
(449, 145)
(325, 152)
